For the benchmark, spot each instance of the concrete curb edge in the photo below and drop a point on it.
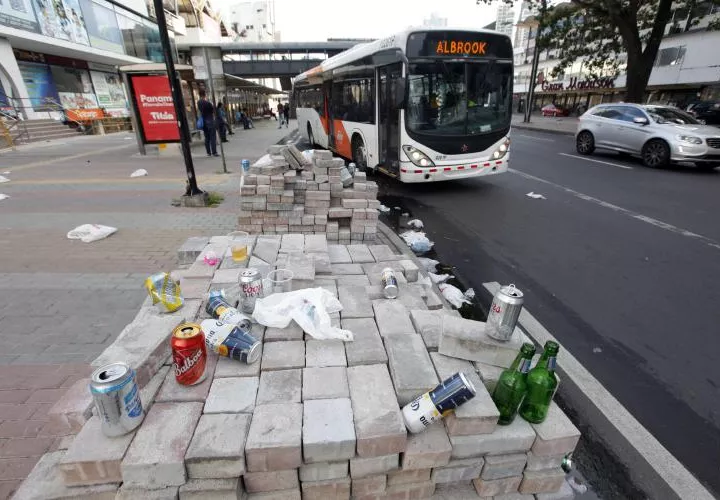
(654, 469)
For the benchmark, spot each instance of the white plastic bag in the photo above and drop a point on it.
(440, 278)
(384, 209)
(3, 197)
(428, 264)
(417, 241)
(416, 224)
(87, 233)
(469, 294)
(309, 307)
(3, 179)
(453, 295)
(536, 196)
(263, 161)
(140, 172)
(309, 155)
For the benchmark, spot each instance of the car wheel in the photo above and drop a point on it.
(311, 137)
(707, 166)
(585, 143)
(359, 153)
(656, 154)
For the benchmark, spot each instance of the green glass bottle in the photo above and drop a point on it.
(511, 386)
(541, 385)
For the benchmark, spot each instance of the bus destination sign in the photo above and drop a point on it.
(458, 44)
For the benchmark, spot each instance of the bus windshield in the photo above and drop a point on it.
(457, 98)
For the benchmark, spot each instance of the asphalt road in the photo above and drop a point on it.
(621, 263)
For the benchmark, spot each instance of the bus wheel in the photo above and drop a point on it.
(311, 137)
(359, 153)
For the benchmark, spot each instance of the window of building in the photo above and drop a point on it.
(102, 26)
(670, 56)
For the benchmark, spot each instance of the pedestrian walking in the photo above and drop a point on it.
(207, 116)
(248, 120)
(286, 114)
(281, 115)
(222, 121)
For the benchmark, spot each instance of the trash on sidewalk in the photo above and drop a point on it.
(230, 341)
(384, 209)
(417, 241)
(219, 308)
(433, 405)
(7, 172)
(470, 293)
(309, 307)
(504, 313)
(416, 224)
(165, 292)
(453, 295)
(263, 161)
(189, 354)
(397, 208)
(4, 179)
(117, 399)
(439, 278)
(346, 177)
(211, 258)
(3, 197)
(535, 196)
(140, 172)
(309, 154)
(389, 283)
(87, 233)
(428, 264)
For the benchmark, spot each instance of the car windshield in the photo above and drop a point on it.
(671, 115)
(459, 98)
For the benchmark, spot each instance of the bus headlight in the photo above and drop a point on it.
(502, 150)
(418, 157)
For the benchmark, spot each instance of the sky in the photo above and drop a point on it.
(317, 20)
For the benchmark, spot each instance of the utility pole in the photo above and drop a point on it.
(536, 59)
(176, 87)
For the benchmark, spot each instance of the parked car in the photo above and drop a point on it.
(657, 134)
(554, 110)
(707, 112)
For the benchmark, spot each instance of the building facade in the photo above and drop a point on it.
(505, 19)
(687, 68)
(252, 21)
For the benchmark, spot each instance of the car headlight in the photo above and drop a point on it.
(689, 139)
(418, 158)
(502, 150)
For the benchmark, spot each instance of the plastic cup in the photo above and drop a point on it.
(280, 280)
(239, 246)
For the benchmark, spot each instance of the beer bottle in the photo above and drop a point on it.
(541, 385)
(511, 386)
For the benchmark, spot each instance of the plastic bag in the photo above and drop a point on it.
(3, 179)
(416, 224)
(536, 196)
(309, 155)
(453, 295)
(384, 209)
(440, 278)
(140, 172)
(309, 307)
(469, 294)
(164, 292)
(87, 233)
(428, 264)
(417, 241)
(263, 161)
(3, 197)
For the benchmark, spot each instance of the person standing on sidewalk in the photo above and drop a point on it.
(207, 113)
(222, 121)
(286, 114)
(281, 115)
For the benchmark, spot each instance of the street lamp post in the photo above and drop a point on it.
(176, 87)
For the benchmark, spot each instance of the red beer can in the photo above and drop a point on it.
(189, 353)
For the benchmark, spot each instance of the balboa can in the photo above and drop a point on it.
(251, 289)
(218, 307)
(434, 405)
(117, 399)
(230, 341)
(504, 312)
(189, 354)
(389, 283)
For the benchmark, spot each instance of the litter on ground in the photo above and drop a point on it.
(417, 241)
(416, 224)
(87, 233)
(140, 172)
(439, 278)
(384, 209)
(428, 264)
(453, 295)
(3, 179)
(536, 196)
(3, 197)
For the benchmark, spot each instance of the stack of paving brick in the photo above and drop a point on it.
(313, 419)
(294, 195)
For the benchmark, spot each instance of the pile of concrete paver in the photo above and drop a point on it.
(287, 193)
(312, 419)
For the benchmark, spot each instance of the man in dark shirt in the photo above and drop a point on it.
(207, 111)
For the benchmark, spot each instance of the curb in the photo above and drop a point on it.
(651, 467)
(524, 126)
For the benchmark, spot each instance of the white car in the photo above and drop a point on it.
(657, 134)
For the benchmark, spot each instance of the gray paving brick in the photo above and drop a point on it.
(321, 260)
(410, 367)
(316, 243)
(325, 383)
(128, 493)
(501, 466)
(339, 254)
(516, 437)
(343, 269)
(556, 435)
(232, 395)
(408, 476)
(427, 449)
(274, 439)
(496, 487)
(536, 462)
(281, 386)
(459, 470)
(542, 481)
(360, 253)
(331, 489)
(292, 243)
(192, 247)
(217, 449)
(258, 482)
(291, 332)
(328, 433)
(323, 471)
(320, 353)
(283, 355)
(266, 249)
(392, 318)
(212, 489)
(368, 486)
(367, 347)
(302, 267)
(352, 280)
(355, 302)
(371, 466)
(382, 253)
(227, 367)
(171, 391)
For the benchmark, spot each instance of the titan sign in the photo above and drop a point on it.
(575, 84)
(155, 108)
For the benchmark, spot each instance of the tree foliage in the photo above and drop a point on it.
(610, 36)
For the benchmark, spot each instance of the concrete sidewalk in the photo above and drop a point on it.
(547, 124)
(62, 301)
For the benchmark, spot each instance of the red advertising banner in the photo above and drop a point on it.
(156, 110)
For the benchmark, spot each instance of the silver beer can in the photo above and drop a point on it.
(251, 289)
(504, 312)
(117, 399)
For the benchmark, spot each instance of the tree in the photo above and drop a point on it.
(600, 31)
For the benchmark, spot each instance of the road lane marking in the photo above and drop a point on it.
(531, 137)
(634, 215)
(596, 161)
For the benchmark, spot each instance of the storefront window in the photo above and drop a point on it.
(102, 26)
(39, 84)
(62, 19)
(74, 88)
(140, 37)
(18, 14)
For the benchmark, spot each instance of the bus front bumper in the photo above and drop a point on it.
(413, 173)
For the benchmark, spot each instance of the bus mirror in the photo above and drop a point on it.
(399, 93)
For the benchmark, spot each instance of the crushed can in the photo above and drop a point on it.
(432, 406)
(389, 283)
(504, 312)
(117, 399)
(165, 292)
(230, 341)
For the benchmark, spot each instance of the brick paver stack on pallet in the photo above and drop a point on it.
(295, 195)
(312, 419)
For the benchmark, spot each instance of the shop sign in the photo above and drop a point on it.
(156, 110)
(84, 115)
(575, 84)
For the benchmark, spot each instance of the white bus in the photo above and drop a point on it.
(423, 105)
